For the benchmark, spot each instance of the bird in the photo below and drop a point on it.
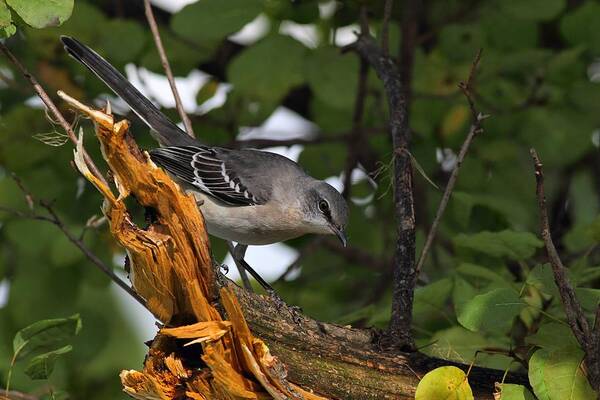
(246, 196)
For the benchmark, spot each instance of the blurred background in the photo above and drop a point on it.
(270, 74)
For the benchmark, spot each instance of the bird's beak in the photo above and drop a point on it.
(339, 232)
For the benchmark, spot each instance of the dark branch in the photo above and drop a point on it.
(588, 339)
(404, 256)
(474, 130)
(167, 67)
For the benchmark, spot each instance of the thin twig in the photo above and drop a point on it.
(54, 219)
(167, 67)
(385, 26)
(52, 107)
(573, 310)
(474, 130)
(588, 338)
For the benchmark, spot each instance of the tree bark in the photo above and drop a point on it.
(346, 363)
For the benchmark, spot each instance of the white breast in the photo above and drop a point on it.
(251, 225)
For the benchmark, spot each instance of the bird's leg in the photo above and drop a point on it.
(238, 252)
(238, 256)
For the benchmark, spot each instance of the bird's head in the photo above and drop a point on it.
(326, 210)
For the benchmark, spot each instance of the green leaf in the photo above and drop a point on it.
(333, 77)
(542, 278)
(538, 10)
(588, 297)
(564, 376)
(460, 42)
(580, 26)
(511, 391)
(44, 334)
(462, 293)
(323, 160)
(507, 33)
(40, 367)
(132, 40)
(552, 336)
(491, 311)
(477, 271)
(455, 343)
(42, 13)
(537, 363)
(507, 243)
(182, 55)
(432, 298)
(254, 76)
(209, 21)
(444, 383)
(207, 91)
(7, 28)
(63, 252)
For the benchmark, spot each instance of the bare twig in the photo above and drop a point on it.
(167, 67)
(51, 106)
(54, 219)
(588, 339)
(474, 130)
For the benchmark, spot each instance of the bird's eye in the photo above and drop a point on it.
(323, 206)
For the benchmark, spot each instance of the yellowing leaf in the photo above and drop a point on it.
(455, 120)
(444, 383)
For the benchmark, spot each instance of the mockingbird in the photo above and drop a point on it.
(250, 197)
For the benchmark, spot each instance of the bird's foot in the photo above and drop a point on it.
(225, 268)
(295, 311)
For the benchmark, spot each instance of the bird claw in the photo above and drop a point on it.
(295, 311)
(225, 268)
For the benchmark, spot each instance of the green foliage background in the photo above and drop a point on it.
(485, 284)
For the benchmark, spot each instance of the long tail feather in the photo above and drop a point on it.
(162, 128)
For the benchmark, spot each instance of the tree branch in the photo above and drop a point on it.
(404, 256)
(588, 339)
(167, 67)
(51, 106)
(474, 130)
(396, 82)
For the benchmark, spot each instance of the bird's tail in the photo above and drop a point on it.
(162, 128)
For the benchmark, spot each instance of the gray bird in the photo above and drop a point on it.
(247, 196)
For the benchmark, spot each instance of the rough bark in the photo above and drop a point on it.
(220, 341)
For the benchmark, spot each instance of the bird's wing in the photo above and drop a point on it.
(209, 170)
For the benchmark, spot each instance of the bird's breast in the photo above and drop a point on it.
(251, 225)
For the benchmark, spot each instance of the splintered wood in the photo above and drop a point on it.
(200, 354)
